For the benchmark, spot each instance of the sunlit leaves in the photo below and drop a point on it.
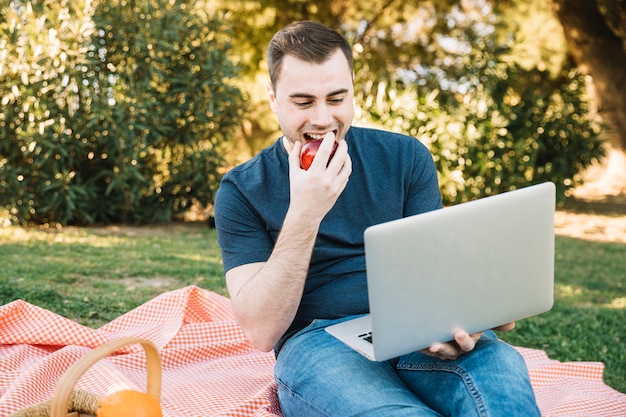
(492, 124)
(112, 112)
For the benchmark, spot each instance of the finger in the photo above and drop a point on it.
(466, 342)
(295, 151)
(341, 162)
(505, 327)
(436, 349)
(294, 155)
(447, 351)
(329, 137)
(322, 156)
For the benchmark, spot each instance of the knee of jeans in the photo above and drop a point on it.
(498, 352)
(292, 404)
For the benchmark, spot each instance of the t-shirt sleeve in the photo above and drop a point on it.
(241, 231)
(424, 194)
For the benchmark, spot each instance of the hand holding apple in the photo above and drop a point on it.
(316, 185)
(309, 150)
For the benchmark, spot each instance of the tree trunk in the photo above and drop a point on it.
(600, 53)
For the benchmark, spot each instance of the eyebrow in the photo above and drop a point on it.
(307, 95)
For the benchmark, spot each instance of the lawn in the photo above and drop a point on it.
(93, 275)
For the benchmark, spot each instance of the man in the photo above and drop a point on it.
(292, 246)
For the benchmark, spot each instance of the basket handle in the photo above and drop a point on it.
(66, 384)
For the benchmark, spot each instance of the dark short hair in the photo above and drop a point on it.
(306, 41)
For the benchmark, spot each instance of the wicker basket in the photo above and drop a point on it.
(68, 402)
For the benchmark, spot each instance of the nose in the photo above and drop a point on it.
(322, 115)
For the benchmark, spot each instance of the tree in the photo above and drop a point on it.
(596, 36)
(598, 47)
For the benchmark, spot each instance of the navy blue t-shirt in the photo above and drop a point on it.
(393, 176)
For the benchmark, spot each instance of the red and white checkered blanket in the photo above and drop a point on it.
(209, 369)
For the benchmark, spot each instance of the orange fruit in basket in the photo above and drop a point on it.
(129, 403)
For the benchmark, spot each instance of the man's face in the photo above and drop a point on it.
(311, 100)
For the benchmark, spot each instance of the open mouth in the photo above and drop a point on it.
(310, 137)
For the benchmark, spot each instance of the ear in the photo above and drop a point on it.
(272, 97)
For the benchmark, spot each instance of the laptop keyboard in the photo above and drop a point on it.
(366, 336)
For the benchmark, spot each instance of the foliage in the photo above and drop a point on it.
(124, 112)
(114, 112)
(518, 130)
(491, 124)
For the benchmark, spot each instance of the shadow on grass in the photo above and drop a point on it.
(608, 205)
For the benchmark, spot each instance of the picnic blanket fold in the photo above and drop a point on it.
(209, 368)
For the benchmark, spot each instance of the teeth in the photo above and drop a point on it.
(315, 137)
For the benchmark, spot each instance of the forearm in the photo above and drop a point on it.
(265, 301)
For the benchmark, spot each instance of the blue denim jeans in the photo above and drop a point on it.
(318, 375)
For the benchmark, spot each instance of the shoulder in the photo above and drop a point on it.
(266, 171)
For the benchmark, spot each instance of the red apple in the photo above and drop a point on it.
(309, 150)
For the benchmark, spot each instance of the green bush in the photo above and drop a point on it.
(491, 124)
(511, 135)
(112, 113)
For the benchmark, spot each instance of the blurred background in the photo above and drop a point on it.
(130, 111)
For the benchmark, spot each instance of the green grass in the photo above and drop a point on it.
(588, 320)
(93, 275)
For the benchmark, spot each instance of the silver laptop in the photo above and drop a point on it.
(472, 266)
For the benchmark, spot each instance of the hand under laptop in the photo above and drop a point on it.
(463, 343)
